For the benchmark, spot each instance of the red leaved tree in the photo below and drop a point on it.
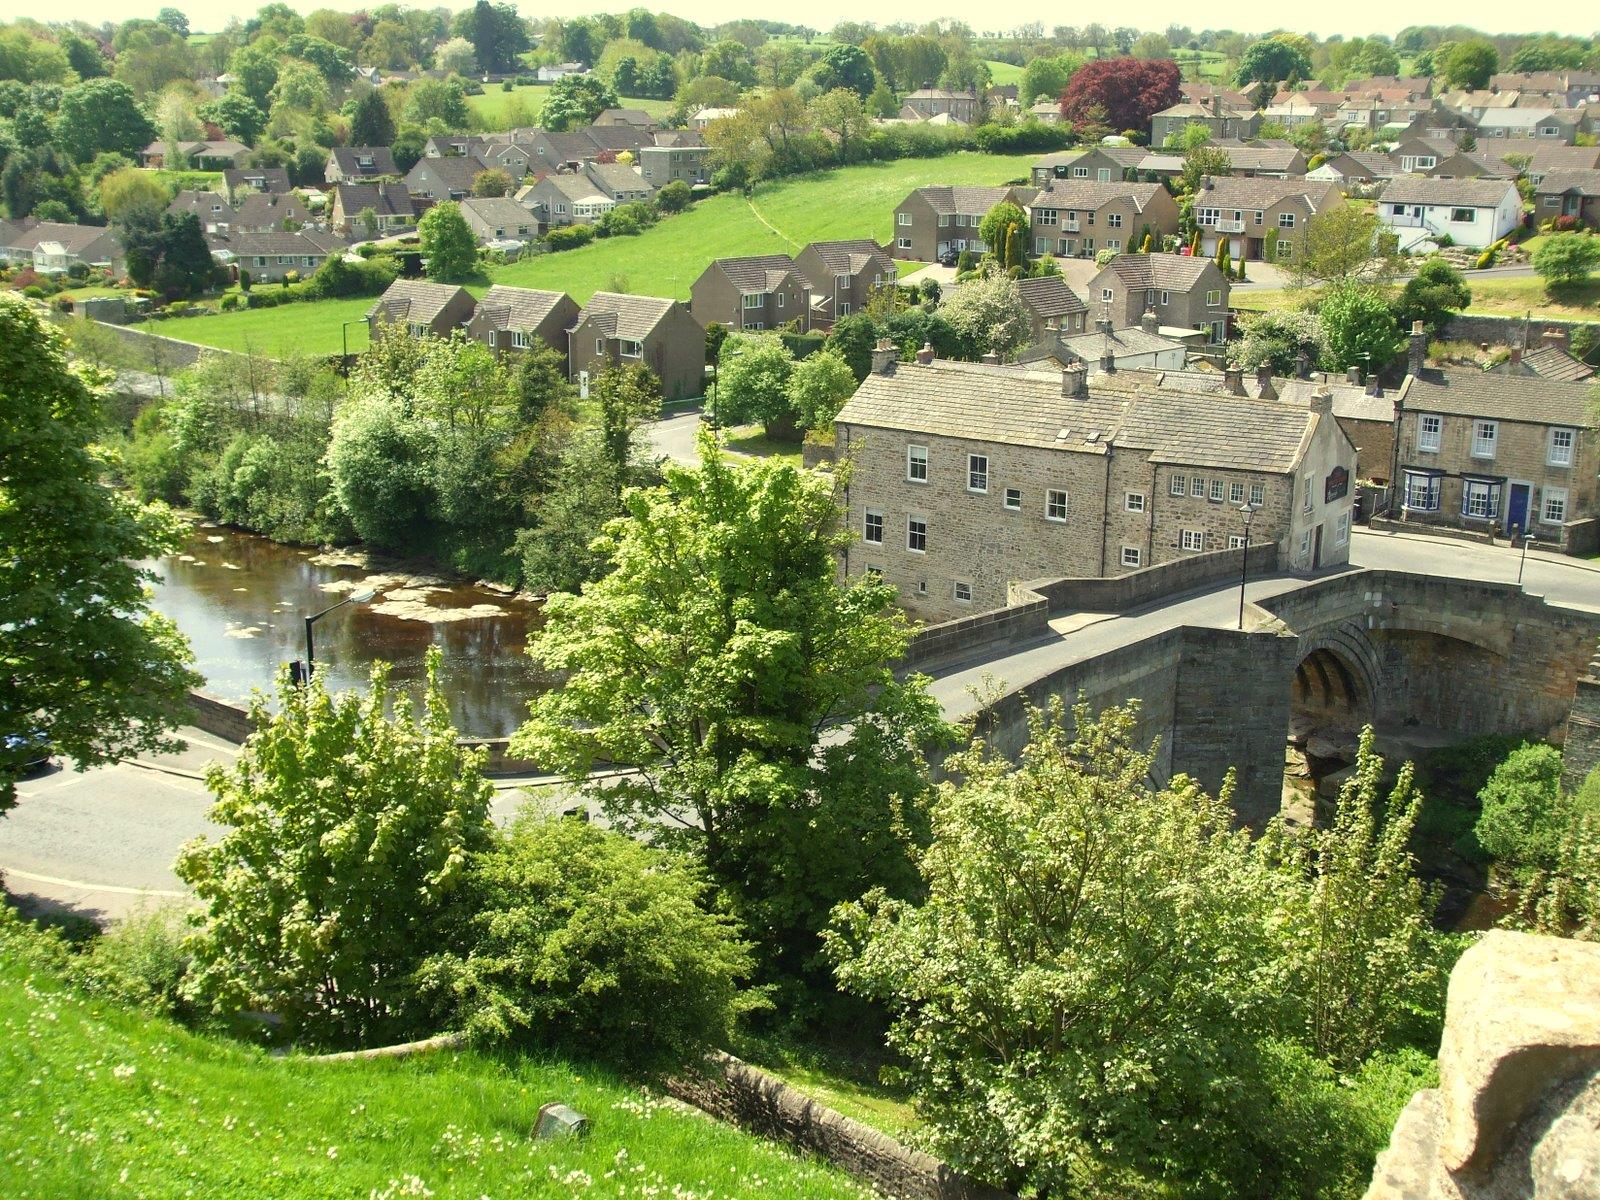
(1129, 90)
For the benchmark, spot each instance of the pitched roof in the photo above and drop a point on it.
(850, 257)
(1177, 272)
(271, 208)
(623, 316)
(386, 199)
(756, 272)
(348, 160)
(1094, 345)
(1050, 296)
(277, 241)
(455, 171)
(1092, 194)
(1259, 192)
(270, 179)
(414, 301)
(1577, 183)
(208, 206)
(497, 210)
(1235, 433)
(629, 116)
(577, 187)
(1468, 193)
(617, 177)
(1543, 154)
(947, 200)
(73, 239)
(1529, 398)
(1552, 362)
(516, 308)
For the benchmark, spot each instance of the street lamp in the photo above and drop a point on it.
(360, 597)
(1523, 561)
(1249, 511)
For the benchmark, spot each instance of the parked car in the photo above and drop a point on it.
(30, 750)
(949, 258)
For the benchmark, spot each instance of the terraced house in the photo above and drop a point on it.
(1077, 218)
(933, 222)
(761, 291)
(966, 478)
(1259, 218)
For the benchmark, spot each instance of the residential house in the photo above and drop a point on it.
(966, 478)
(622, 183)
(238, 180)
(510, 319)
(1499, 454)
(1354, 168)
(1053, 307)
(422, 308)
(612, 140)
(390, 204)
(1551, 360)
(258, 212)
(1562, 89)
(1267, 162)
(1574, 194)
(440, 179)
(51, 247)
(213, 209)
(1536, 159)
(566, 198)
(359, 164)
(636, 118)
(571, 150)
(203, 155)
(705, 116)
(930, 222)
(762, 291)
(1224, 121)
(269, 256)
(661, 165)
(1298, 109)
(1198, 91)
(554, 71)
(1078, 217)
(499, 221)
(1102, 164)
(1419, 156)
(842, 277)
(1047, 112)
(514, 158)
(1261, 219)
(1473, 212)
(454, 145)
(929, 102)
(618, 330)
(1561, 125)
(1183, 292)
(1105, 351)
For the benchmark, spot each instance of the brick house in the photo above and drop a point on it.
(1183, 292)
(1265, 218)
(1076, 218)
(763, 291)
(1053, 307)
(583, 197)
(390, 204)
(51, 247)
(931, 220)
(1497, 453)
(359, 164)
(966, 478)
(1568, 194)
(424, 309)
(510, 319)
(618, 330)
(842, 277)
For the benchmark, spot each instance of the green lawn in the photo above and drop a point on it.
(1491, 295)
(851, 202)
(104, 1102)
(494, 109)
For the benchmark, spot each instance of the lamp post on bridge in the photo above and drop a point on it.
(360, 597)
(1249, 511)
(1523, 560)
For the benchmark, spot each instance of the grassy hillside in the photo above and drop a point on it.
(492, 107)
(851, 202)
(1002, 73)
(107, 1102)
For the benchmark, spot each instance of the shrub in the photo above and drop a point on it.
(569, 237)
(505, 85)
(1525, 815)
(229, 302)
(584, 939)
(142, 959)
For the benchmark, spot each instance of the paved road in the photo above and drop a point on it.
(98, 840)
(674, 437)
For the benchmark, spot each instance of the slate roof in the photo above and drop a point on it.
(1543, 154)
(1233, 192)
(516, 308)
(277, 241)
(413, 301)
(1527, 398)
(1577, 183)
(1467, 193)
(1176, 272)
(1552, 362)
(1092, 194)
(1094, 345)
(849, 257)
(617, 177)
(262, 209)
(347, 159)
(386, 199)
(577, 187)
(948, 201)
(1263, 158)
(1050, 296)
(628, 116)
(456, 171)
(756, 272)
(1234, 433)
(629, 317)
(201, 205)
(272, 179)
(497, 211)
(73, 239)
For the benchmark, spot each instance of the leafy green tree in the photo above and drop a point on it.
(174, 20)
(987, 311)
(1564, 900)
(87, 663)
(29, 59)
(996, 226)
(407, 147)
(674, 197)
(1433, 295)
(493, 182)
(819, 386)
(332, 62)
(1565, 259)
(839, 113)
(102, 114)
(300, 89)
(584, 940)
(448, 247)
(350, 823)
(1360, 328)
(237, 116)
(455, 56)
(497, 34)
(575, 101)
(845, 66)
(728, 59)
(438, 100)
(1278, 339)
(1469, 64)
(378, 462)
(1344, 243)
(557, 551)
(371, 123)
(185, 267)
(626, 397)
(1524, 815)
(1201, 161)
(256, 69)
(724, 659)
(126, 189)
(1273, 60)
(1044, 78)
(753, 372)
(84, 55)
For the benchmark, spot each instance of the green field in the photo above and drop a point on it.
(850, 202)
(1001, 73)
(103, 1101)
(491, 108)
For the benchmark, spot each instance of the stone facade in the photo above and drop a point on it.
(1078, 219)
(1580, 752)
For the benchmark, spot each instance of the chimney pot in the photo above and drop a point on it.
(1233, 379)
(1074, 380)
(1322, 401)
(1516, 355)
(1555, 339)
(925, 355)
(1103, 324)
(991, 359)
(1149, 322)
(1302, 365)
(1353, 376)
(1108, 362)
(1264, 385)
(884, 356)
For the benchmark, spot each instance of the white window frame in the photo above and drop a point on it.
(625, 352)
(753, 300)
(902, 243)
(912, 533)
(1485, 438)
(1133, 502)
(916, 457)
(1013, 499)
(1214, 298)
(1471, 509)
(1430, 433)
(1563, 443)
(1051, 503)
(872, 520)
(903, 218)
(1132, 556)
(1553, 506)
(1258, 494)
(1236, 492)
(1216, 491)
(1286, 220)
(1341, 529)
(978, 474)
(1197, 486)
(957, 587)
(520, 339)
(1236, 541)
(1192, 541)
(1422, 492)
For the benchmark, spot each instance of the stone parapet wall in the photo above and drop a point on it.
(1580, 752)
(1122, 592)
(1505, 331)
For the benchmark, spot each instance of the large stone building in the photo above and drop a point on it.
(965, 478)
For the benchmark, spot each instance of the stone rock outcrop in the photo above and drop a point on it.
(1516, 1115)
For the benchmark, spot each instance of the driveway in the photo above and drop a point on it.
(674, 437)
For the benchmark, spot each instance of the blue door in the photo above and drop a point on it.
(1517, 510)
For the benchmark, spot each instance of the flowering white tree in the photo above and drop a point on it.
(988, 313)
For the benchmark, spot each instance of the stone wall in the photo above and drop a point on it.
(1580, 753)
(1517, 1110)
(1504, 331)
(1027, 616)
(158, 353)
(735, 1091)
(1136, 588)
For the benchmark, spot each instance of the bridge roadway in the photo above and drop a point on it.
(100, 840)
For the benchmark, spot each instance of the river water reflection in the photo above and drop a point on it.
(241, 600)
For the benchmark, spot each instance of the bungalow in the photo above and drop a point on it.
(565, 198)
(1078, 218)
(440, 179)
(236, 180)
(554, 71)
(270, 256)
(215, 155)
(842, 277)
(1267, 162)
(1473, 212)
(1561, 125)
(389, 203)
(624, 184)
(1573, 194)
(359, 164)
(1259, 218)
(1536, 159)
(51, 247)
(760, 291)
(619, 330)
(1354, 168)
(512, 318)
(1184, 293)
(938, 220)
(635, 118)
(1053, 307)
(424, 309)
(499, 219)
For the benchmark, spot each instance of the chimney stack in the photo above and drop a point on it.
(1148, 322)
(884, 356)
(1108, 361)
(1417, 357)
(1074, 381)
(991, 359)
(1103, 325)
(1322, 402)
(1555, 339)
(1516, 356)
(1264, 386)
(925, 355)
(1353, 376)
(1302, 365)
(1233, 380)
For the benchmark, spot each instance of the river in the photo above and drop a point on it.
(241, 601)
